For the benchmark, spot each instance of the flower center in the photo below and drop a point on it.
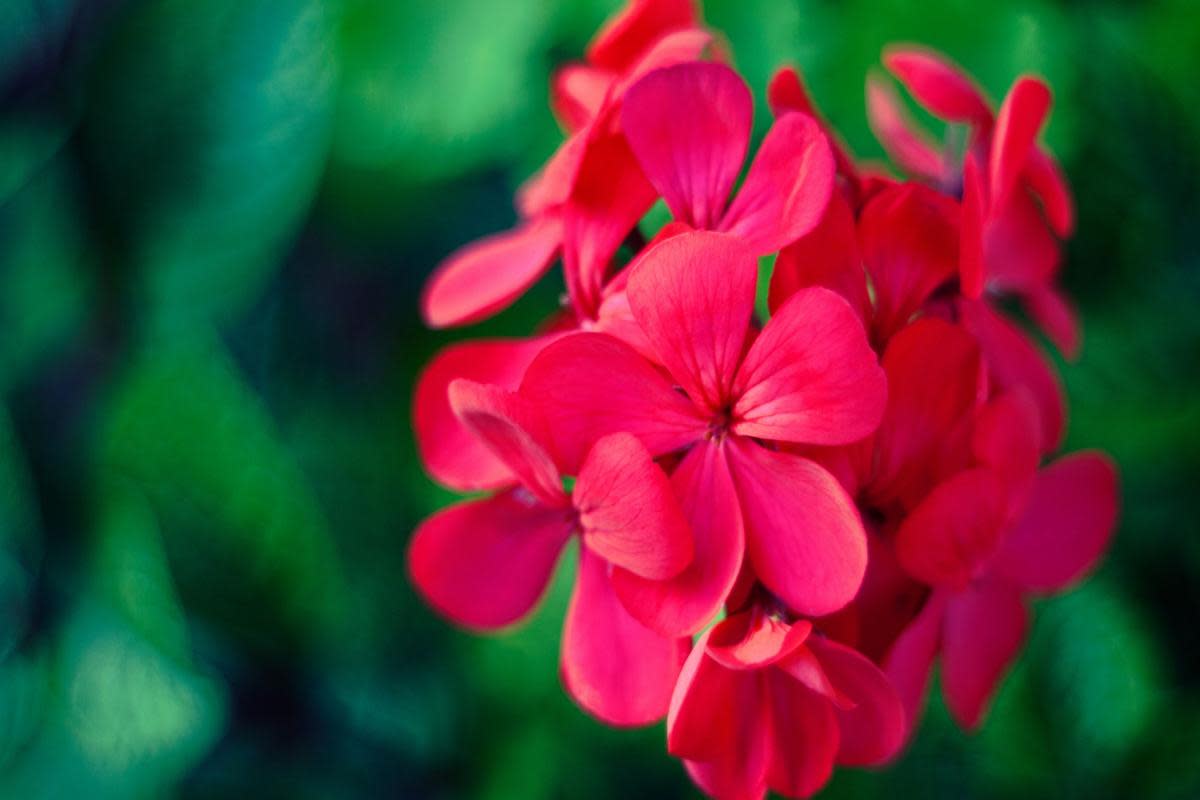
(718, 426)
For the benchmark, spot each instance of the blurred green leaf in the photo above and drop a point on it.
(235, 511)
(429, 92)
(209, 123)
(46, 283)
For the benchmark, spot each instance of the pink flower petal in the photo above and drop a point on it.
(1045, 178)
(484, 563)
(971, 268)
(577, 94)
(453, 454)
(787, 188)
(873, 730)
(1067, 524)
(910, 146)
(909, 663)
(627, 511)
(803, 535)
(939, 85)
(689, 126)
(985, 627)
(785, 93)
(587, 385)
(909, 237)
(486, 276)
(686, 603)
(1020, 251)
(1055, 315)
(719, 724)
(753, 639)
(810, 377)
(680, 47)
(507, 424)
(948, 537)
(827, 256)
(1016, 362)
(548, 188)
(804, 736)
(610, 195)
(1005, 438)
(1021, 117)
(711, 706)
(934, 370)
(614, 668)
(629, 33)
(693, 295)
(803, 665)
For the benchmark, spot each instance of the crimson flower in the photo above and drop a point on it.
(689, 127)
(720, 395)
(485, 562)
(984, 539)
(764, 703)
(1015, 207)
(487, 276)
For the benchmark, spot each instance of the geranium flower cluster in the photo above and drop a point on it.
(782, 523)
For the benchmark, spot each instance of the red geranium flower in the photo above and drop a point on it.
(484, 563)
(487, 276)
(809, 377)
(764, 703)
(984, 539)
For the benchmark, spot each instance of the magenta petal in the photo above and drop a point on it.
(804, 738)
(693, 295)
(686, 603)
(452, 453)
(507, 423)
(827, 256)
(947, 539)
(910, 146)
(616, 669)
(939, 85)
(909, 235)
(803, 534)
(587, 385)
(627, 35)
(874, 728)
(1017, 125)
(689, 126)
(753, 639)
(718, 722)
(703, 715)
(971, 267)
(1020, 251)
(1054, 315)
(934, 371)
(1066, 526)
(577, 93)
(1015, 362)
(1005, 438)
(627, 512)
(787, 188)
(484, 563)
(1045, 178)
(609, 196)
(985, 627)
(488, 275)
(810, 377)
(909, 662)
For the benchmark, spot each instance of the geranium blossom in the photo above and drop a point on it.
(862, 483)
(807, 377)
(484, 563)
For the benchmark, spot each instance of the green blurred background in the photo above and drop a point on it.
(215, 218)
